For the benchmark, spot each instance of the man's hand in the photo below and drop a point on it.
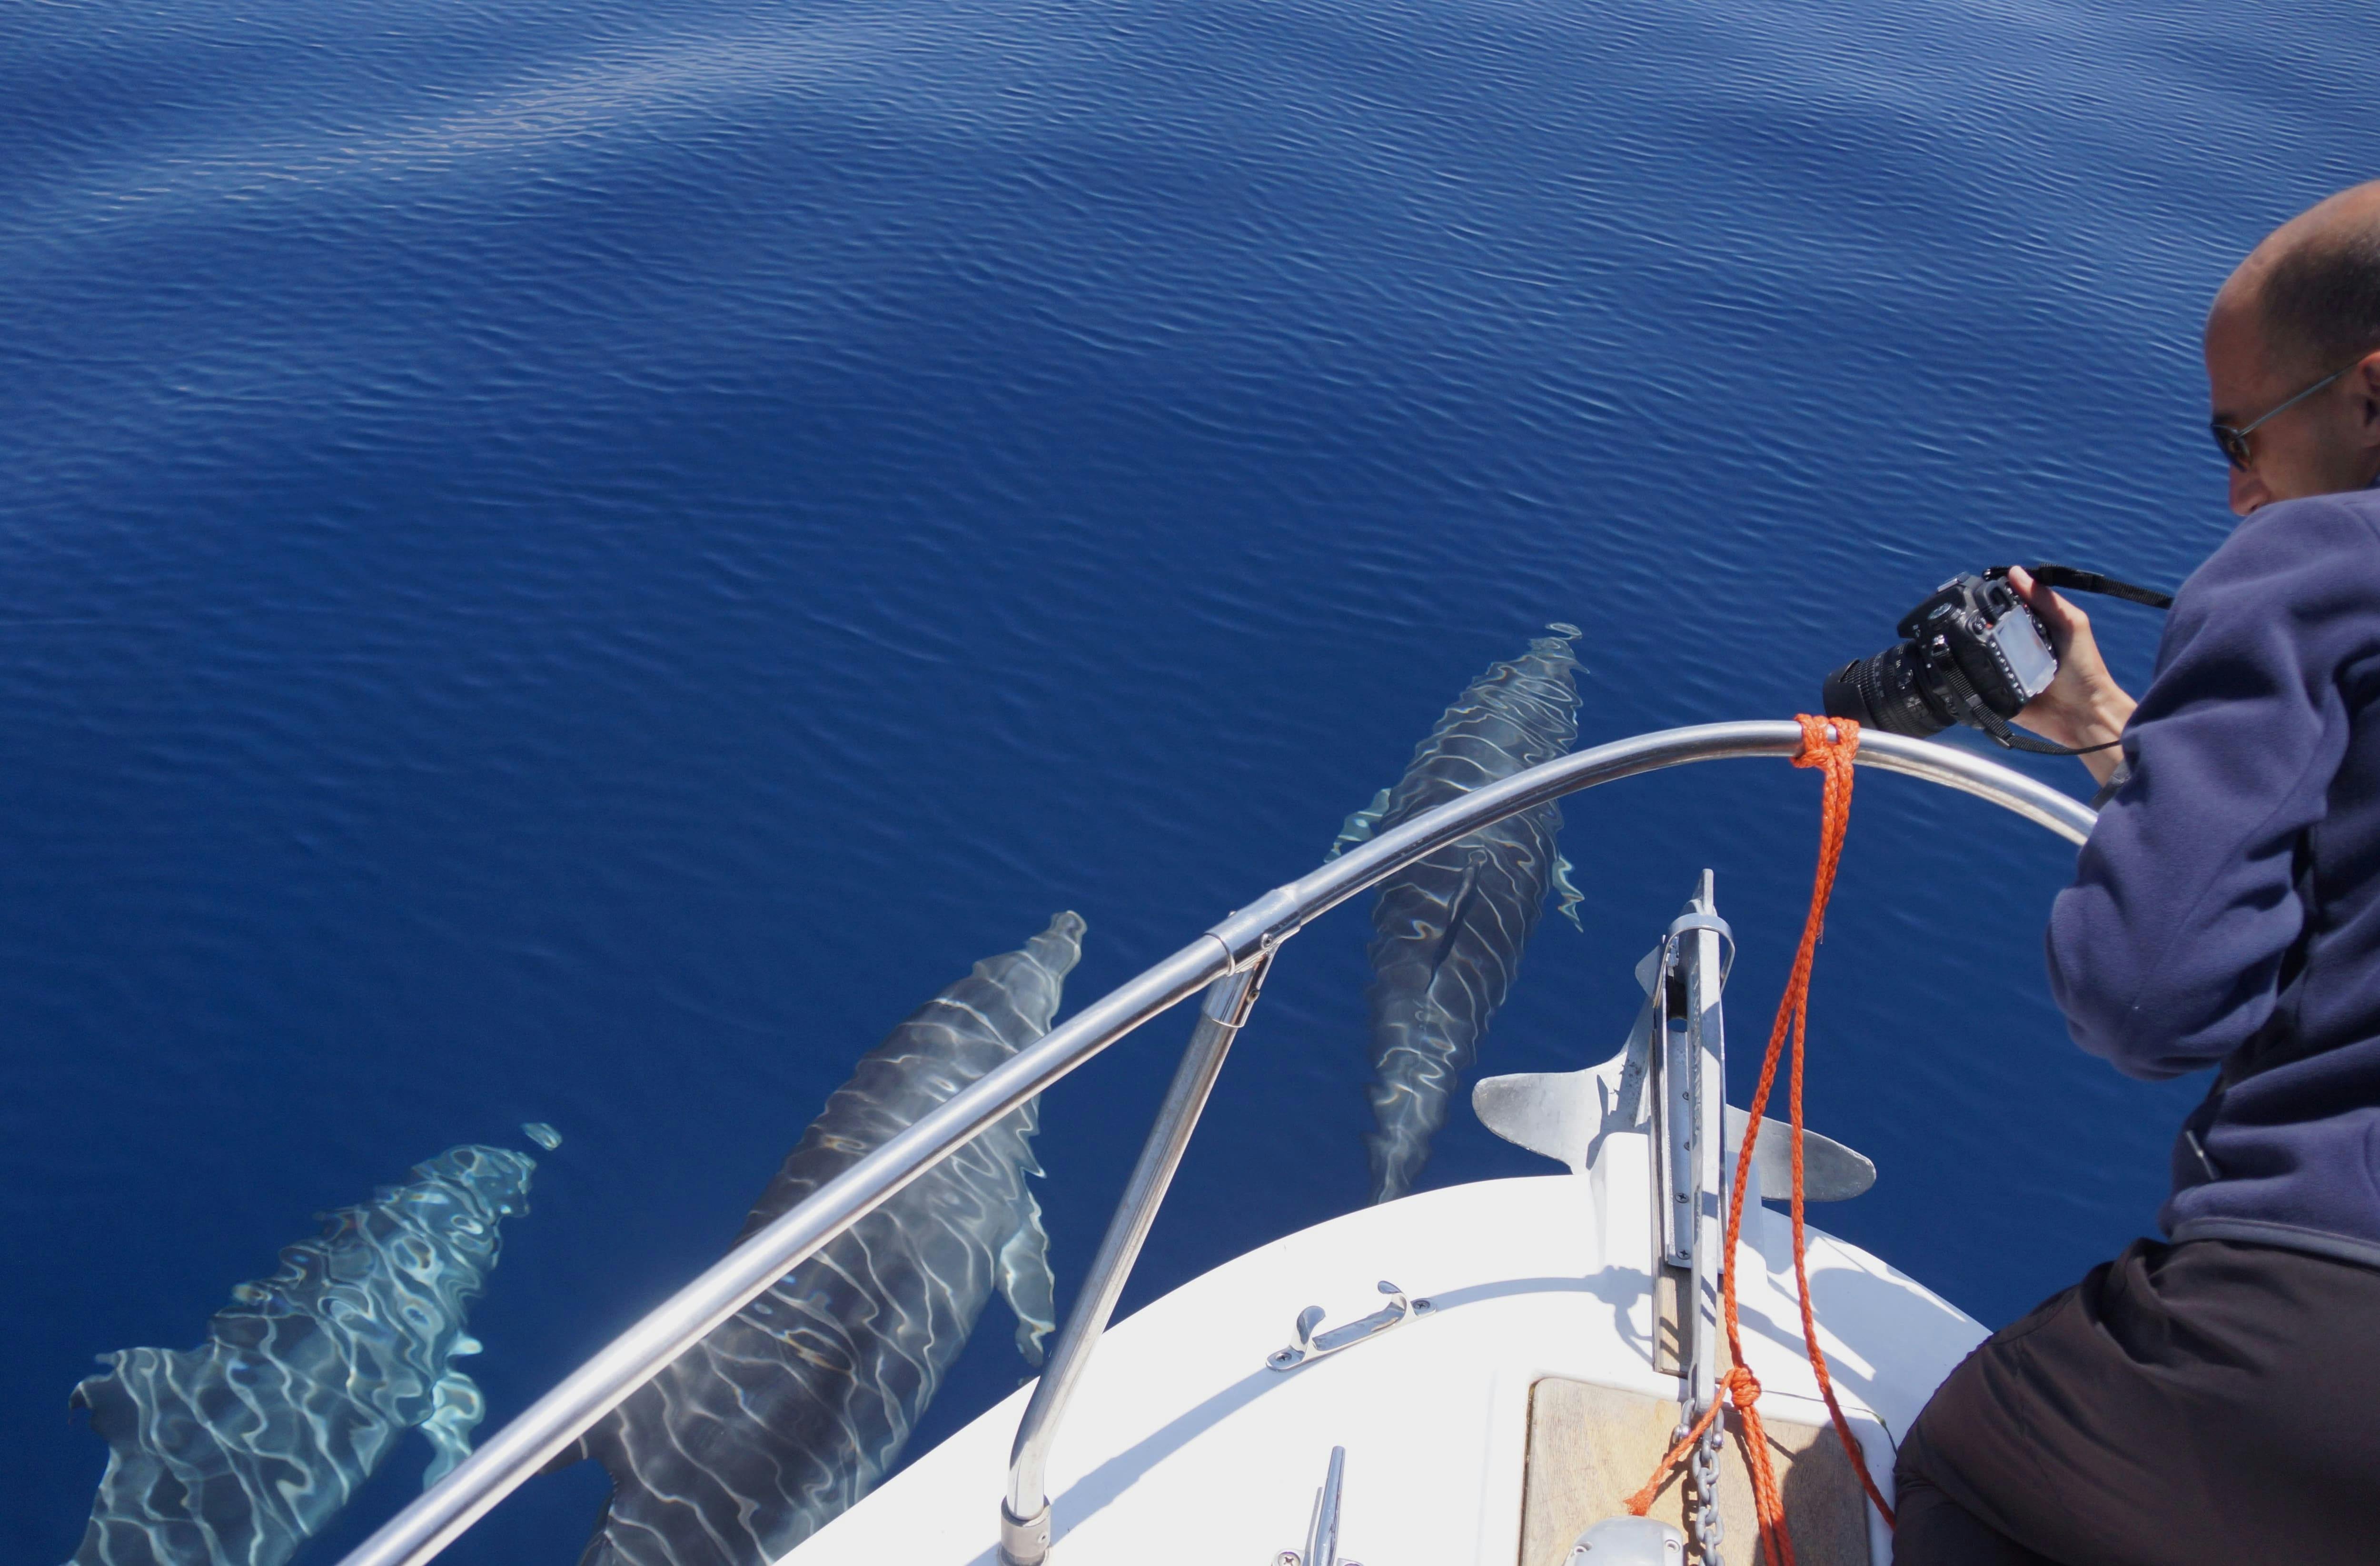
(2083, 705)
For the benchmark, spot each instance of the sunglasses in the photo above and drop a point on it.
(2234, 442)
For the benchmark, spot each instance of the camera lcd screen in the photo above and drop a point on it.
(2029, 657)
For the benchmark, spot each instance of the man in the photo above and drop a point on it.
(2218, 1398)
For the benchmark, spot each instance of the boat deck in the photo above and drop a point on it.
(1523, 1405)
(1590, 1448)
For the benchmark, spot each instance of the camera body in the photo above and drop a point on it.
(1972, 642)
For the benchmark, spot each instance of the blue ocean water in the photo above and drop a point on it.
(574, 561)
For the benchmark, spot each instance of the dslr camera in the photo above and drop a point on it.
(1972, 654)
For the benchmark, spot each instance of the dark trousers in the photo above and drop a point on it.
(2207, 1402)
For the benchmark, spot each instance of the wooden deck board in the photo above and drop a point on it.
(1590, 1448)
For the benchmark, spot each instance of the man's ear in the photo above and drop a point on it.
(2366, 377)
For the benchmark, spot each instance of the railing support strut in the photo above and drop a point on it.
(1025, 1513)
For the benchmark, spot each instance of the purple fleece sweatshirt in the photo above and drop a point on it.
(2227, 907)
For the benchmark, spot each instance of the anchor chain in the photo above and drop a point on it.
(1704, 1524)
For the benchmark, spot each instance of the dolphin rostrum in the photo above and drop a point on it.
(1449, 930)
(236, 1453)
(793, 1409)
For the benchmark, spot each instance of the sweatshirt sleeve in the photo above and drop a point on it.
(2165, 952)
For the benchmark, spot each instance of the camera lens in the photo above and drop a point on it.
(1886, 691)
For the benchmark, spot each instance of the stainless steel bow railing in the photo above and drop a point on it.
(1233, 952)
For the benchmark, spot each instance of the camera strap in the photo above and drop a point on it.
(2076, 578)
(1991, 723)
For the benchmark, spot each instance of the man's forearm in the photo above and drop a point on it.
(2104, 725)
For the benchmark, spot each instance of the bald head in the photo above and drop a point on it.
(2312, 288)
(2293, 355)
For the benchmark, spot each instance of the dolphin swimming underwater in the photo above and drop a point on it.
(793, 1409)
(1449, 930)
(236, 1453)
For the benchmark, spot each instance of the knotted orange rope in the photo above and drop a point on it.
(1828, 744)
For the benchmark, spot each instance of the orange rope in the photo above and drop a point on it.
(1828, 744)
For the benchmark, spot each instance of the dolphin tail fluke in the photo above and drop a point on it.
(456, 1406)
(1027, 1284)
